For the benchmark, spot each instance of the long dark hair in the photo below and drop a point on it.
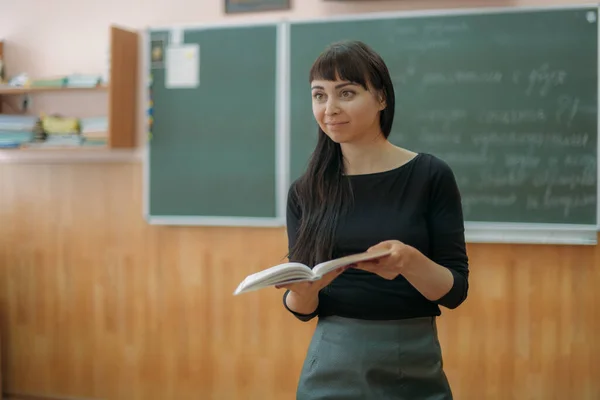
(322, 192)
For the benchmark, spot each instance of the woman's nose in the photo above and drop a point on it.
(331, 108)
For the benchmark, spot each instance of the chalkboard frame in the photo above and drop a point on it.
(475, 232)
(281, 151)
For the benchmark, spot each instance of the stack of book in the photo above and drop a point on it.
(61, 131)
(94, 131)
(73, 81)
(52, 131)
(83, 81)
(16, 130)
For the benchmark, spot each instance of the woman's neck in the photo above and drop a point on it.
(373, 156)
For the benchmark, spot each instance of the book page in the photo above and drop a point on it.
(276, 270)
(327, 266)
(294, 275)
(273, 275)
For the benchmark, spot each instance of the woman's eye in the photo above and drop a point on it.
(318, 96)
(347, 93)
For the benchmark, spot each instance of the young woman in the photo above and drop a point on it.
(376, 336)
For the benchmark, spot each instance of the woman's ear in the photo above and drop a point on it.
(382, 102)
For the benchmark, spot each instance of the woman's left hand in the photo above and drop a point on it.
(392, 265)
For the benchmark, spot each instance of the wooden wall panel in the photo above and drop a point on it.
(95, 303)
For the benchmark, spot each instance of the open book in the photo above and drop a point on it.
(298, 272)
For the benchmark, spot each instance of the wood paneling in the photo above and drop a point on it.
(94, 303)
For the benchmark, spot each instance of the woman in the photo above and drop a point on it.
(376, 337)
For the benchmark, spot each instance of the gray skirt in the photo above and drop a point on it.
(357, 359)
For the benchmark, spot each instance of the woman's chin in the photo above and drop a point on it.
(338, 137)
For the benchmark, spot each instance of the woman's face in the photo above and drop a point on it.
(346, 111)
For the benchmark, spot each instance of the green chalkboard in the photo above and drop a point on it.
(212, 152)
(508, 99)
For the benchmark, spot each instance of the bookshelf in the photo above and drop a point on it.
(122, 93)
(20, 91)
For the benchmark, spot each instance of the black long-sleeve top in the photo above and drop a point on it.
(418, 204)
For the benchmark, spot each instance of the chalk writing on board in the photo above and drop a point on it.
(404, 30)
(427, 136)
(511, 116)
(565, 203)
(462, 77)
(441, 28)
(536, 159)
(522, 160)
(580, 160)
(441, 115)
(464, 158)
(503, 178)
(572, 180)
(470, 200)
(567, 109)
(539, 81)
(511, 177)
(543, 79)
(538, 139)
